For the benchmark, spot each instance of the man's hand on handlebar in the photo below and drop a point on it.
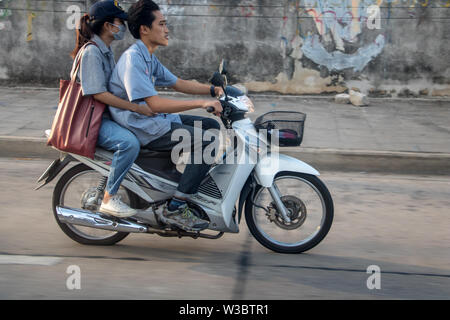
(219, 92)
(215, 104)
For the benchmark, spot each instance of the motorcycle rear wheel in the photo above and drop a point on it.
(85, 235)
(306, 197)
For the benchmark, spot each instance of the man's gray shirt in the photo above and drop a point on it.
(134, 78)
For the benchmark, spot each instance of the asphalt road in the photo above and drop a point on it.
(396, 222)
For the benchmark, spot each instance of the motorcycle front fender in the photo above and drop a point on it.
(273, 163)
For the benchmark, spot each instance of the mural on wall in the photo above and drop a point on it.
(340, 22)
(338, 29)
(5, 12)
(5, 25)
(343, 21)
(346, 35)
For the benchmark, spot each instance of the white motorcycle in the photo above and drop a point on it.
(287, 207)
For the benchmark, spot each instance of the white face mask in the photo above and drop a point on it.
(119, 35)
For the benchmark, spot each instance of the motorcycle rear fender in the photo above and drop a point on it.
(273, 163)
(53, 170)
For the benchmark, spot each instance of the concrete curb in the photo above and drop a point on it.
(374, 161)
(26, 147)
(321, 159)
(272, 95)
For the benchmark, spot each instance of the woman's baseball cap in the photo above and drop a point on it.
(107, 8)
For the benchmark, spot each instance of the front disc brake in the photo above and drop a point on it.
(296, 210)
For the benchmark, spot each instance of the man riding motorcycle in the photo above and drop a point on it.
(136, 74)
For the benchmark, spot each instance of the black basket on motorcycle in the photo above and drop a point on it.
(287, 124)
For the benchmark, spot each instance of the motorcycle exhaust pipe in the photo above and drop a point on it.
(88, 219)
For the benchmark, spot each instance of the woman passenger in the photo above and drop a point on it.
(103, 25)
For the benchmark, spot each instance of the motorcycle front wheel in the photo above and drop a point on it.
(309, 207)
(73, 190)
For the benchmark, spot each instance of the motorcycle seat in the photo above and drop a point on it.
(154, 154)
(155, 162)
(103, 153)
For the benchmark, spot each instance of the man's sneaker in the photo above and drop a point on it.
(117, 208)
(184, 218)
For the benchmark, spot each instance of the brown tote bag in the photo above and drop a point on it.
(78, 119)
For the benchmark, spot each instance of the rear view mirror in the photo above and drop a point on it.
(223, 68)
(217, 80)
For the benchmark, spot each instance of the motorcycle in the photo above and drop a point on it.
(287, 208)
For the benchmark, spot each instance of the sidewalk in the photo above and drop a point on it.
(394, 135)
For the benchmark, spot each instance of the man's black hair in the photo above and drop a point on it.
(141, 14)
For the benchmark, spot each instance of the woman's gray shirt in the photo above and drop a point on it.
(97, 65)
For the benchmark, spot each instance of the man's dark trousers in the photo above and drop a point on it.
(194, 173)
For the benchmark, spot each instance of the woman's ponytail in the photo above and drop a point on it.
(84, 34)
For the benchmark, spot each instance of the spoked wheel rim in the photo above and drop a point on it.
(77, 192)
(306, 207)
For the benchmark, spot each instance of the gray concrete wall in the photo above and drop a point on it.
(286, 46)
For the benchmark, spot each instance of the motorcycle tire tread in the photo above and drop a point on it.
(306, 246)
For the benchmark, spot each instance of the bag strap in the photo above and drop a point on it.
(77, 60)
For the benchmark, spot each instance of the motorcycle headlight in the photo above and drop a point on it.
(248, 103)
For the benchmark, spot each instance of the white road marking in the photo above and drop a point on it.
(31, 260)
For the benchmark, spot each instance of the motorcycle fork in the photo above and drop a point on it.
(276, 196)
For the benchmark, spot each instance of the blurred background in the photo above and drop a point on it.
(381, 47)
(385, 164)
